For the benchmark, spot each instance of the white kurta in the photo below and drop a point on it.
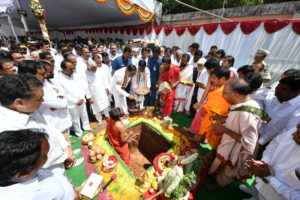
(236, 152)
(119, 83)
(97, 87)
(183, 91)
(45, 185)
(12, 120)
(75, 89)
(57, 61)
(55, 106)
(142, 81)
(280, 114)
(282, 156)
(202, 78)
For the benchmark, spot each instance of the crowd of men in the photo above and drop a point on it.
(46, 90)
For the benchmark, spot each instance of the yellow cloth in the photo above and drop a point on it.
(215, 105)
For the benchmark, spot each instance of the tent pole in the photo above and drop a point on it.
(23, 19)
(43, 26)
(12, 28)
(198, 9)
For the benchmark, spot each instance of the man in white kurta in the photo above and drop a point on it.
(280, 166)
(198, 64)
(75, 92)
(55, 107)
(120, 81)
(98, 88)
(240, 133)
(44, 185)
(142, 81)
(280, 106)
(13, 119)
(185, 84)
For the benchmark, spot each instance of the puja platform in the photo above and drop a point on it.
(149, 140)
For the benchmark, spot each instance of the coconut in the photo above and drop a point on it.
(92, 153)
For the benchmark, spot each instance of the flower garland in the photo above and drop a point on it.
(38, 10)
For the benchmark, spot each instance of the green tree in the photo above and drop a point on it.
(172, 7)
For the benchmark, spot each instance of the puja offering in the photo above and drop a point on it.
(109, 163)
(96, 154)
(89, 137)
(141, 91)
(164, 87)
(166, 122)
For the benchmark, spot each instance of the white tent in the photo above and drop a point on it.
(73, 14)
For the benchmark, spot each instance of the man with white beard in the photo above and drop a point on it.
(98, 88)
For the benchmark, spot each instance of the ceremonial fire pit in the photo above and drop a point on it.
(145, 144)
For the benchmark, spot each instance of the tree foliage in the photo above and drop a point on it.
(172, 7)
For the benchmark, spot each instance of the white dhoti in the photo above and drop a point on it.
(77, 113)
(121, 102)
(182, 90)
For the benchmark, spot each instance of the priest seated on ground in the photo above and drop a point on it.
(278, 173)
(117, 135)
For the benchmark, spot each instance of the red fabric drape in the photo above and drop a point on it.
(228, 27)
(148, 30)
(210, 28)
(194, 29)
(296, 27)
(168, 30)
(180, 30)
(157, 29)
(134, 31)
(128, 30)
(272, 26)
(248, 27)
(110, 30)
(141, 31)
(116, 29)
(105, 29)
(122, 29)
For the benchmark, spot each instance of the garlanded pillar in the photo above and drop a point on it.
(39, 13)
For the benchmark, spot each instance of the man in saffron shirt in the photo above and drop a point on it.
(168, 73)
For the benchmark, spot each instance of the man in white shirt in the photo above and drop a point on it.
(278, 173)
(58, 58)
(76, 91)
(280, 106)
(141, 81)
(193, 48)
(98, 88)
(135, 57)
(113, 52)
(185, 84)
(240, 133)
(23, 153)
(120, 81)
(198, 64)
(177, 58)
(55, 105)
(20, 98)
(81, 66)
